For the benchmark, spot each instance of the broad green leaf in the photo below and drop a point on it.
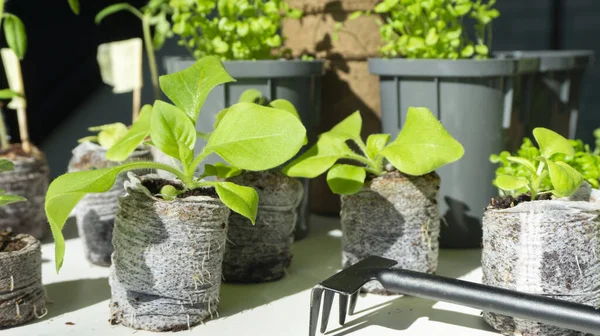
(74, 4)
(376, 143)
(140, 129)
(9, 199)
(524, 162)
(348, 128)
(6, 165)
(8, 94)
(203, 136)
(14, 32)
(467, 51)
(221, 170)
(506, 182)
(189, 88)
(117, 8)
(423, 145)
(255, 137)
(220, 116)
(67, 190)
(481, 49)
(565, 179)
(318, 158)
(172, 132)
(241, 199)
(551, 143)
(109, 134)
(346, 179)
(285, 105)
(252, 96)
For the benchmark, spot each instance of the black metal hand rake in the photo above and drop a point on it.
(348, 282)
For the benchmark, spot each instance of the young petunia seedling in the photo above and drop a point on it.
(564, 179)
(422, 146)
(249, 136)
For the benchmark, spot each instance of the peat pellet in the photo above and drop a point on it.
(167, 259)
(262, 252)
(394, 216)
(547, 247)
(95, 213)
(22, 296)
(29, 179)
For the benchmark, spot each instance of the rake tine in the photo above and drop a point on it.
(353, 299)
(343, 308)
(315, 305)
(327, 303)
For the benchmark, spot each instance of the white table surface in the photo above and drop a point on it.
(80, 295)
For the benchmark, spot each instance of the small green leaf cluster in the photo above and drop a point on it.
(434, 28)
(6, 165)
(549, 168)
(585, 161)
(240, 30)
(248, 136)
(422, 146)
(108, 134)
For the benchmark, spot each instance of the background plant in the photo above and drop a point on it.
(108, 135)
(539, 170)
(585, 161)
(422, 146)
(435, 28)
(249, 136)
(6, 165)
(240, 30)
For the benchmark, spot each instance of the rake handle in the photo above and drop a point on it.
(539, 308)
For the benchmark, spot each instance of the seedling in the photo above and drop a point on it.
(249, 136)
(6, 165)
(108, 135)
(240, 30)
(434, 28)
(564, 180)
(422, 146)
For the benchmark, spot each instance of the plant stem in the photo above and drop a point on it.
(151, 56)
(187, 181)
(3, 135)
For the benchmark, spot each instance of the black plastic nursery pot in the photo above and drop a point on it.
(30, 179)
(262, 252)
(554, 90)
(167, 260)
(474, 100)
(95, 213)
(22, 295)
(297, 81)
(396, 217)
(544, 247)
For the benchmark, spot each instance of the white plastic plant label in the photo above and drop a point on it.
(12, 67)
(121, 64)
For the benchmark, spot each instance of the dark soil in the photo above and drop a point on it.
(511, 201)
(16, 151)
(155, 185)
(9, 243)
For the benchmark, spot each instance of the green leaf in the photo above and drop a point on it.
(74, 4)
(318, 158)
(346, 179)
(506, 182)
(221, 170)
(565, 179)
(9, 199)
(109, 134)
(551, 143)
(6, 165)
(189, 88)
(467, 51)
(117, 8)
(219, 117)
(285, 105)
(376, 143)
(241, 199)
(14, 32)
(252, 96)
(524, 162)
(255, 137)
(355, 15)
(140, 129)
(8, 94)
(432, 37)
(348, 128)
(423, 145)
(172, 132)
(481, 49)
(91, 138)
(67, 190)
